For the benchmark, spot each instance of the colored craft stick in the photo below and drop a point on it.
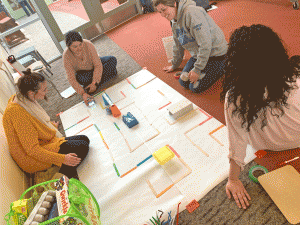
(213, 137)
(128, 172)
(186, 165)
(116, 126)
(215, 130)
(84, 129)
(151, 187)
(58, 114)
(99, 93)
(105, 144)
(77, 123)
(128, 81)
(183, 176)
(71, 126)
(173, 150)
(149, 157)
(164, 191)
(82, 119)
(123, 94)
(196, 145)
(160, 92)
(205, 121)
(116, 170)
(97, 128)
(164, 106)
(201, 110)
(101, 135)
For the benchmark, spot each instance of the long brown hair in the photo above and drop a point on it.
(258, 73)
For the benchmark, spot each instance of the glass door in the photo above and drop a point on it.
(23, 32)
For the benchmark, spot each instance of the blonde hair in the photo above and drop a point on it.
(170, 3)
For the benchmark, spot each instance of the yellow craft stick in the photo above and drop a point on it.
(152, 188)
(196, 146)
(164, 191)
(101, 135)
(216, 129)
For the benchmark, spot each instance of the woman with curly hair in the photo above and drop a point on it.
(262, 100)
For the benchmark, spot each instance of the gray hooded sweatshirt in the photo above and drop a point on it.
(198, 33)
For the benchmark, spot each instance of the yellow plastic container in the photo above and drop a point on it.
(163, 155)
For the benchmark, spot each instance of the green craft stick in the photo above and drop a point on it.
(97, 128)
(152, 222)
(117, 126)
(98, 93)
(116, 170)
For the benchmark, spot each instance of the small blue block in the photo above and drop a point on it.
(129, 120)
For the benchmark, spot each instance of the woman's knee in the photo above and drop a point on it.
(86, 139)
(113, 59)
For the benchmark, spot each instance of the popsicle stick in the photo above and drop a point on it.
(217, 140)
(84, 129)
(201, 110)
(196, 146)
(128, 172)
(215, 130)
(186, 165)
(164, 191)
(151, 187)
(183, 176)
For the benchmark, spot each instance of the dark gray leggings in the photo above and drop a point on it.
(75, 144)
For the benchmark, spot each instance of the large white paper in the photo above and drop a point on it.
(129, 200)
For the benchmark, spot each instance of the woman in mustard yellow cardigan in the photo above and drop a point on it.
(34, 141)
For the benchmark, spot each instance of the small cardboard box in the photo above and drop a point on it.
(180, 108)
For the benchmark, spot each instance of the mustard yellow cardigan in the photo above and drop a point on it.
(32, 144)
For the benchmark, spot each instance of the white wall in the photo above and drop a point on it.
(12, 179)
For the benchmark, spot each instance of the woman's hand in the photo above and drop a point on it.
(55, 123)
(238, 191)
(193, 76)
(71, 159)
(86, 98)
(92, 87)
(168, 69)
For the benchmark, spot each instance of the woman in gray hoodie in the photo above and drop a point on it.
(194, 30)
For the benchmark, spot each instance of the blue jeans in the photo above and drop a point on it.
(75, 144)
(214, 70)
(85, 77)
(24, 4)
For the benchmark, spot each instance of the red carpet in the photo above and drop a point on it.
(142, 37)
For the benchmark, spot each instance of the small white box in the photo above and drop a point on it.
(180, 108)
